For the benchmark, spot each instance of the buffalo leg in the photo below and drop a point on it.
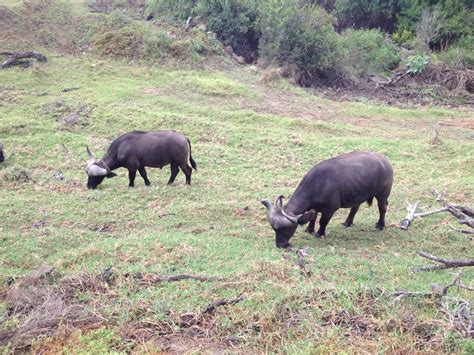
(312, 222)
(142, 172)
(350, 218)
(382, 203)
(174, 172)
(323, 222)
(131, 177)
(187, 170)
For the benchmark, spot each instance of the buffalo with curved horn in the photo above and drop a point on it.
(346, 181)
(137, 150)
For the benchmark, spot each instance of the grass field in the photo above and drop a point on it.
(251, 140)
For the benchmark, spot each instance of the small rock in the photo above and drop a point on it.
(58, 175)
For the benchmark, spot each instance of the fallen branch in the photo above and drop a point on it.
(464, 231)
(464, 214)
(466, 210)
(405, 223)
(400, 294)
(462, 217)
(190, 319)
(446, 263)
(14, 57)
(213, 305)
(155, 278)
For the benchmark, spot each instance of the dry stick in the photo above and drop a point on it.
(213, 305)
(400, 294)
(15, 56)
(462, 217)
(466, 210)
(464, 231)
(180, 277)
(447, 263)
(190, 319)
(410, 216)
(423, 214)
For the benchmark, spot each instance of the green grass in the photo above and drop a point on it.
(250, 141)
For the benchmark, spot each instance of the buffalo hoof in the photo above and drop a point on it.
(147, 183)
(380, 226)
(320, 236)
(309, 231)
(283, 245)
(347, 224)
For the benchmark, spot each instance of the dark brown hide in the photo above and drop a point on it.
(346, 181)
(137, 150)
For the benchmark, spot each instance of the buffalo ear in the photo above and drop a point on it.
(110, 175)
(306, 217)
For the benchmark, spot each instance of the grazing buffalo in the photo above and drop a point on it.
(2, 157)
(345, 181)
(136, 150)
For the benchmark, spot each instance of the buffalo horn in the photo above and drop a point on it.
(293, 219)
(279, 201)
(276, 220)
(95, 170)
(91, 156)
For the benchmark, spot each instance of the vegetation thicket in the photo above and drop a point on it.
(311, 37)
(194, 268)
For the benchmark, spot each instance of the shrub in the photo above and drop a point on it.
(367, 14)
(457, 57)
(125, 42)
(418, 63)
(178, 9)
(233, 21)
(155, 44)
(403, 36)
(302, 37)
(366, 52)
(455, 19)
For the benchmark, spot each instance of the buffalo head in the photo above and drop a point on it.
(97, 170)
(283, 223)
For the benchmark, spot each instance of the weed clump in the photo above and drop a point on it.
(15, 173)
(68, 112)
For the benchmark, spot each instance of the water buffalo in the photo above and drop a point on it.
(2, 157)
(345, 181)
(136, 150)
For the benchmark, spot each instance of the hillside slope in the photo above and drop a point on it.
(82, 270)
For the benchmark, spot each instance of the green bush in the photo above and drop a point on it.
(367, 13)
(418, 63)
(178, 9)
(233, 21)
(302, 37)
(456, 19)
(457, 57)
(366, 52)
(125, 42)
(403, 36)
(142, 41)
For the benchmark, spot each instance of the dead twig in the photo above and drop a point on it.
(464, 231)
(446, 263)
(155, 278)
(191, 319)
(400, 294)
(405, 223)
(463, 214)
(213, 305)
